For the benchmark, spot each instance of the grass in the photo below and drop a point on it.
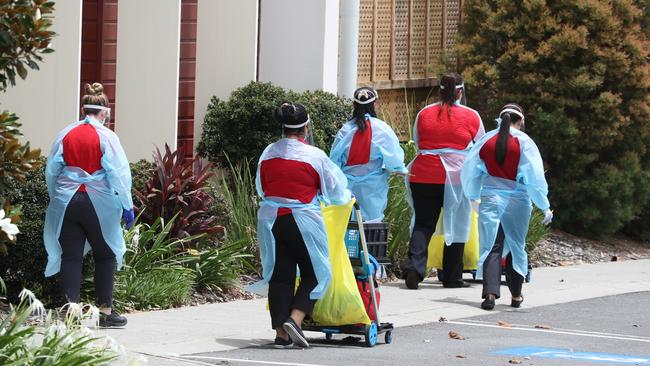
(238, 190)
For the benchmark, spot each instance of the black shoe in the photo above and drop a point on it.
(295, 333)
(461, 284)
(281, 343)
(516, 303)
(114, 319)
(412, 280)
(488, 303)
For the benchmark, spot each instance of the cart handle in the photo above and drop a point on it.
(366, 259)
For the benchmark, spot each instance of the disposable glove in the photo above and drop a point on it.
(548, 217)
(128, 216)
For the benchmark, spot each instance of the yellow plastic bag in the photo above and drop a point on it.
(342, 303)
(470, 256)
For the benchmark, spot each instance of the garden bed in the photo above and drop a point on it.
(563, 249)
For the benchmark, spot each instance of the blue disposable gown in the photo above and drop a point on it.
(369, 182)
(308, 216)
(109, 190)
(457, 209)
(504, 201)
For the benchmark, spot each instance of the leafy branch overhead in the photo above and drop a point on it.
(25, 36)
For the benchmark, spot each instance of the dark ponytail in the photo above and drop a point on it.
(448, 90)
(291, 114)
(502, 140)
(360, 110)
(507, 119)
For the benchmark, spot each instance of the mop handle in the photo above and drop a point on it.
(366, 259)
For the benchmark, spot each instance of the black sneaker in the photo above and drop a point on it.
(114, 319)
(295, 333)
(412, 280)
(488, 303)
(516, 303)
(281, 343)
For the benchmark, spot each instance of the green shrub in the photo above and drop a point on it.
(220, 267)
(238, 189)
(156, 269)
(24, 263)
(327, 111)
(240, 128)
(141, 172)
(580, 70)
(398, 212)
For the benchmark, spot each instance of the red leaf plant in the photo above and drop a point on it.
(177, 187)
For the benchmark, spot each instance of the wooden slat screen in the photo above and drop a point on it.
(398, 39)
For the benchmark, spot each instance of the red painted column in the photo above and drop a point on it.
(187, 77)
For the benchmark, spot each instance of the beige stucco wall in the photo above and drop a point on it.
(148, 35)
(48, 99)
(226, 52)
(299, 44)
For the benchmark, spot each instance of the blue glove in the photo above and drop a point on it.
(128, 216)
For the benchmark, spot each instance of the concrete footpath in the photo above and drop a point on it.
(238, 324)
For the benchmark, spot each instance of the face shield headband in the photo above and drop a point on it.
(513, 111)
(101, 108)
(374, 97)
(309, 137)
(463, 99)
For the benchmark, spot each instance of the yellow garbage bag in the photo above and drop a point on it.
(470, 256)
(342, 303)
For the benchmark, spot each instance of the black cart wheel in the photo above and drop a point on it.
(328, 336)
(389, 337)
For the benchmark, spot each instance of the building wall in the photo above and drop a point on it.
(226, 51)
(147, 75)
(49, 99)
(299, 44)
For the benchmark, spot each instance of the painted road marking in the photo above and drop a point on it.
(565, 329)
(247, 361)
(575, 356)
(622, 337)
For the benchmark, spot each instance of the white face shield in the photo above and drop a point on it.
(107, 119)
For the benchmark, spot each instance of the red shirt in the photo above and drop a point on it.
(289, 179)
(438, 129)
(81, 149)
(511, 163)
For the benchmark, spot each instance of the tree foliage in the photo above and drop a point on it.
(25, 36)
(580, 69)
(240, 128)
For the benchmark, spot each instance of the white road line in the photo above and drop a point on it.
(565, 329)
(566, 332)
(249, 361)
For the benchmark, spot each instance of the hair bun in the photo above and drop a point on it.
(94, 89)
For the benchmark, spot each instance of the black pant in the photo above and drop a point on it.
(428, 200)
(290, 250)
(492, 270)
(80, 223)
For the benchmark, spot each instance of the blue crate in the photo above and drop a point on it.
(352, 241)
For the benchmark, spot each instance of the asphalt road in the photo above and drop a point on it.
(610, 330)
